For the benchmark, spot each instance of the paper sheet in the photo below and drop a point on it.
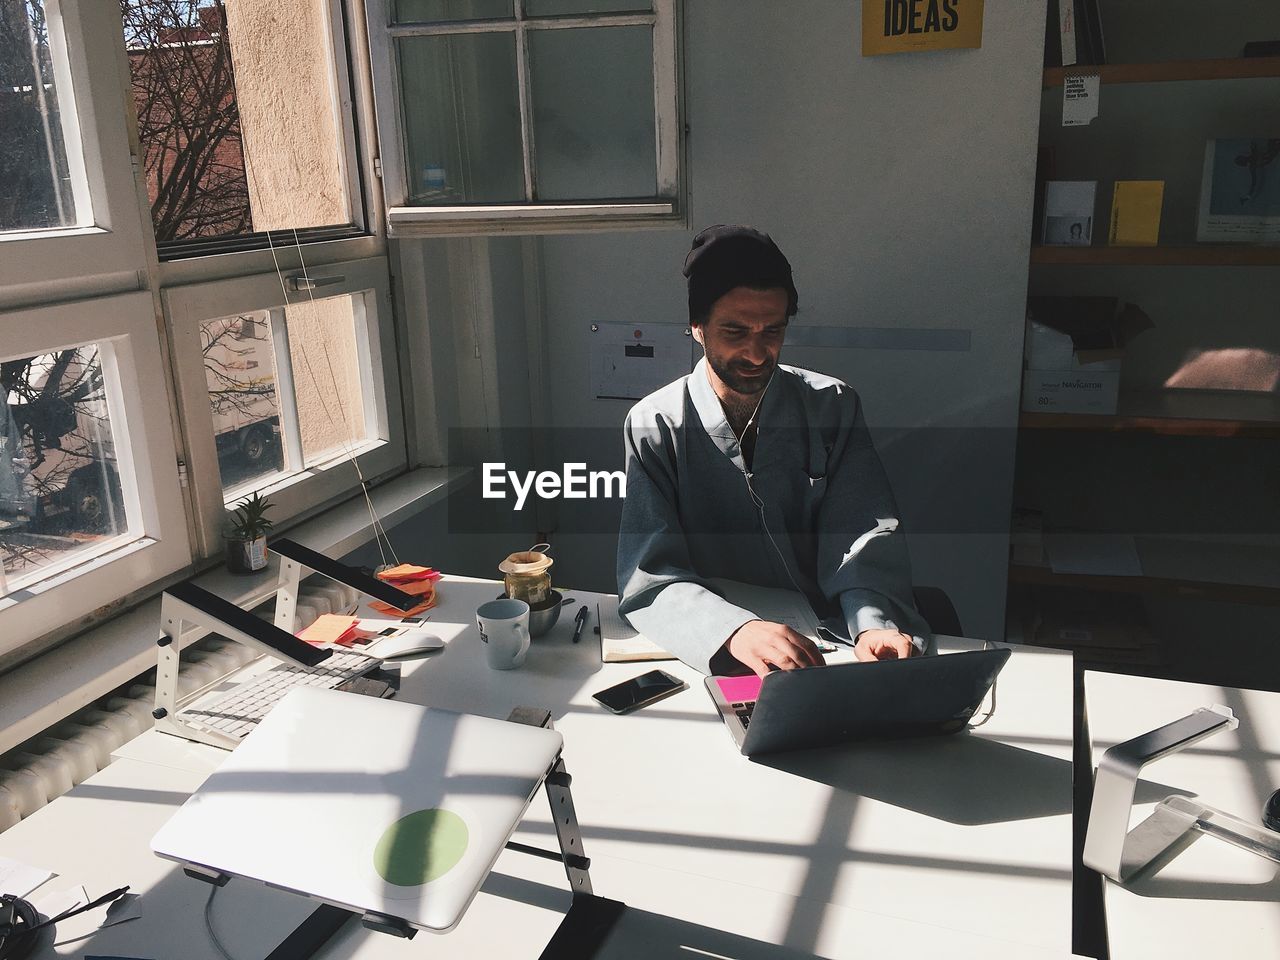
(408, 571)
(1079, 101)
(1094, 554)
(20, 879)
(629, 361)
(60, 901)
(619, 642)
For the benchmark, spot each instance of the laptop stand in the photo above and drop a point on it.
(581, 933)
(185, 603)
(1121, 854)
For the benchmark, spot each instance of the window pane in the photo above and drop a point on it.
(240, 369)
(461, 118)
(60, 493)
(433, 11)
(327, 379)
(35, 183)
(237, 116)
(555, 8)
(593, 113)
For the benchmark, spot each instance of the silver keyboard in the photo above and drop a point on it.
(239, 710)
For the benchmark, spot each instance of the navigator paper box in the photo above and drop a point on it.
(1073, 352)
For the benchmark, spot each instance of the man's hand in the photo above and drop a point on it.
(759, 643)
(883, 645)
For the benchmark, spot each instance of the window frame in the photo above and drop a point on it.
(354, 173)
(159, 546)
(33, 262)
(530, 216)
(187, 307)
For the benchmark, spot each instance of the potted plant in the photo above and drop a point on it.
(246, 535)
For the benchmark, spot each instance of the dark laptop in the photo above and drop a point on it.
(838, 703)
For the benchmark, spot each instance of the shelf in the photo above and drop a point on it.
(1152, 586)
(1173, 567)
(1236, 68)
(1190, 255)
(1181, 414)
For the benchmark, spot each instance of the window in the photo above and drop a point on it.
(66, 181)
(282, 382)
(245, 121)
(88, 484)
(293, 394)
(264, 433)
(38, 185)
(525, 111)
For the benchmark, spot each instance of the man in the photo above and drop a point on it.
(761, 473)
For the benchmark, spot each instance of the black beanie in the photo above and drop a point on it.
(727, 256)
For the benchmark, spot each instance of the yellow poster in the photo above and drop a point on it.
(907, 26)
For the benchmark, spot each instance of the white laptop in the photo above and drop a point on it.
(376, 806)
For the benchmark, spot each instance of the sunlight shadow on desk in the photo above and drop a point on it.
(961, 779)
(171, 798)
(641, 935)
(1151, 884)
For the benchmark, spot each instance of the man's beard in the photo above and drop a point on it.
(738, 383)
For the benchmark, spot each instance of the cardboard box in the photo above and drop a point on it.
(1071, 391)
(1073, 352)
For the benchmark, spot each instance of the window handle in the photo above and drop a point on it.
(300, 281)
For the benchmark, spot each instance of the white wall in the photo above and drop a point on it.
(900, 188)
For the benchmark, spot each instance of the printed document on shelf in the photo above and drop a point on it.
(1079, 101)
(1093, 554)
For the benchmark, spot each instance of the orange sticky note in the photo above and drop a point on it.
(408, 571)
(328, 628)
(418, 588)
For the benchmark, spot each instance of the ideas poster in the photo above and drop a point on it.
(910, 26)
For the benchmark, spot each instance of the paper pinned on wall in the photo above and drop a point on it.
(629, 360)
(1079, 101)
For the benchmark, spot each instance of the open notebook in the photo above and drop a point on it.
(620, 643)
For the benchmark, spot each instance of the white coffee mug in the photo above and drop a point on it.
(504, 631)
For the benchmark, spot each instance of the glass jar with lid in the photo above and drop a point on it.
(525, 575)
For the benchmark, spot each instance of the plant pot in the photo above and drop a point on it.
(246, 556)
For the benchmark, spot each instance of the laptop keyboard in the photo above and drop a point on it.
(743, 711)
(238, 711)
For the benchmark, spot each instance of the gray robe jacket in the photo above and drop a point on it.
(815, 513)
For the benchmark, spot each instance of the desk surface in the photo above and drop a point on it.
(919, 846)
(1213, 899)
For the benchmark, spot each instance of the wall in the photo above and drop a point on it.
(901, 188)
(294, 154)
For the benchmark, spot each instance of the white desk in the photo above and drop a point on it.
(1213, 899)
(959, 847)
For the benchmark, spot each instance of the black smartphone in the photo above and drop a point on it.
(639, 691)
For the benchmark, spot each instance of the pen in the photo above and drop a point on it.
(579, 621)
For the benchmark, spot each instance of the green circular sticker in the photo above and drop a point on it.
(420, 847)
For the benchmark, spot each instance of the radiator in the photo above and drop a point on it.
(48, 766)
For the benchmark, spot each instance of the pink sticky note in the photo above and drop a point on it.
(739, 689)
